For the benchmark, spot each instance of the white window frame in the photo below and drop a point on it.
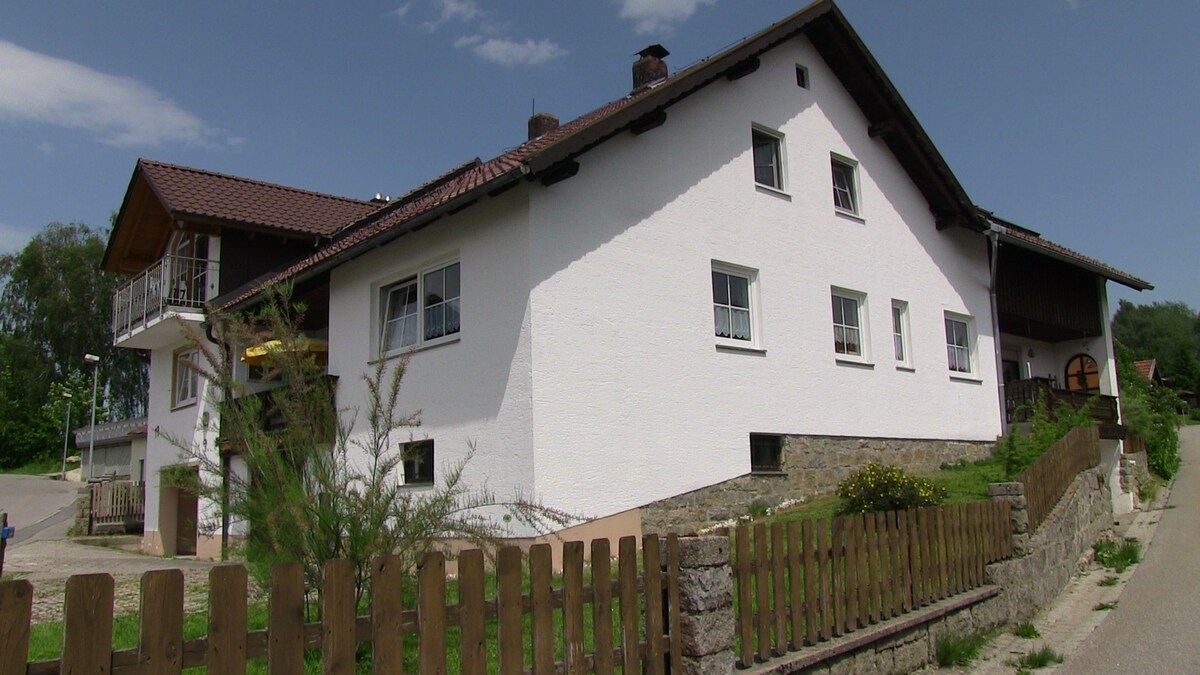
(777, 138)
(901, 344)
(419, 280)
(751, 277)
(850, 168)
(863, 328)
(956, 352)
(185, 378)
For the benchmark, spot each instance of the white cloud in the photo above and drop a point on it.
(453, 10)
(401, 11)
(653, 16)
(512, 53)
(46, 147)
(115, 110)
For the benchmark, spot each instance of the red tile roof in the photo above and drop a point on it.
(1023, 236)
(195, 192)
(1146, 367)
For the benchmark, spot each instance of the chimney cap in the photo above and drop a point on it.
(655, 50)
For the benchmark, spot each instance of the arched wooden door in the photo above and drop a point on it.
(1082, 374)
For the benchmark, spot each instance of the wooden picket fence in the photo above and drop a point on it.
(118, 502)
(1047, 479)
(801, 583)
(640, 634)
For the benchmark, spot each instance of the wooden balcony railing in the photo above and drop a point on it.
(172, 282)
(1022, 396)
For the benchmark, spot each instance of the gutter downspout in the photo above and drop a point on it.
(993, 234)
(227, 354)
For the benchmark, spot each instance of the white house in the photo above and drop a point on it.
(740, 281)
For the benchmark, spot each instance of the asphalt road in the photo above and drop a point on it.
(37, 506)
(1153, 628)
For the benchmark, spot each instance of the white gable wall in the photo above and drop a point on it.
(473, 390)
(633, 401)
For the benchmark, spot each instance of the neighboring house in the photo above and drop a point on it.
(119, 450)
(1148, 370)
(738, 282)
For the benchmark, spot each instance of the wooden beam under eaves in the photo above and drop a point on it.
(743, 68)
(887, 126)
(559, 172)
(651, 120)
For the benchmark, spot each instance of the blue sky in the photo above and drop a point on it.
(1077, 118)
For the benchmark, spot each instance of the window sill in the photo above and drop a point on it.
(186, 404)
(745, 349)
(415, 487)
(854, 363)
(413, 350)
(906, 369)
(778, 473)
(774, 192)
(966, 377)
(850, 215)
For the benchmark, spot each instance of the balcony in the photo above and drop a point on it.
(1021, 397)
(175, 286)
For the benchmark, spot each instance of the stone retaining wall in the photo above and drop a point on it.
(811, 465)
(1043, 564)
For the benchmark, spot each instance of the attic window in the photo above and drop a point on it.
(801, 76)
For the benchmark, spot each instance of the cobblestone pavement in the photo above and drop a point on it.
(47, 564)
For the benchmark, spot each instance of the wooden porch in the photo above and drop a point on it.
(1022, 396)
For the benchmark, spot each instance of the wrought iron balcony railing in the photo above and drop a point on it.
(173, 283)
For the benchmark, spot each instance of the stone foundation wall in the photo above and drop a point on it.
(811, 465)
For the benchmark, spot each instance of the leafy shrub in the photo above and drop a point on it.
(1021, 448)
(1150, 411)
(879, 487)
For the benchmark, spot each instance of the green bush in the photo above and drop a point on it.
(1151, 412)
(960, 650)
(879, 487)
(1020, 449)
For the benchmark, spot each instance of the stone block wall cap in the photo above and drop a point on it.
(703, 551)
(1006, 489)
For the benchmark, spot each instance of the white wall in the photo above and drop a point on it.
(633, 401)
(164, 423)
(472, 390)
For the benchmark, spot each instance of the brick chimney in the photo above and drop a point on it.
(541, 124)
(650, 68)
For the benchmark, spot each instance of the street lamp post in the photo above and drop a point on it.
(66, 433)
(95, 361)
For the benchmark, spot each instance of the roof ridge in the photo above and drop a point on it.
(251, 181)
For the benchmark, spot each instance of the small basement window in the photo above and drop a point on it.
(418, 462)
(766, 453)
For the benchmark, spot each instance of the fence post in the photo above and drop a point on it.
(706, 604)
(1014, 494)
(3, 539)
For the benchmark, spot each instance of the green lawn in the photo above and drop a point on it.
(40, 466)
(966, 482)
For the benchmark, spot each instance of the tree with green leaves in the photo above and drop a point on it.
(311, 490)
(1166, 331)
(55, 306)
(1150, 410)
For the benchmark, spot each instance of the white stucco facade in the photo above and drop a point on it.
(587, 370)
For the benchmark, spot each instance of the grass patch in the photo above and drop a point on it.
(1104, 606)
(960, 650)
(1118, 557)
(38, 466)
(964, 482)
(1038, 658)
(1027, 631)
(1109, 581)
(967, 481)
